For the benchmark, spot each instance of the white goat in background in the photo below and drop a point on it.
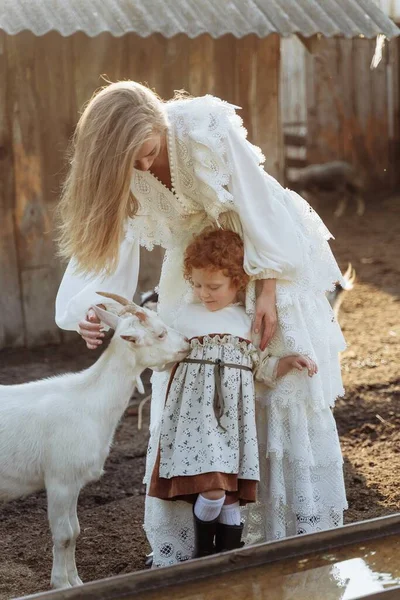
(56, 433)
(337, 177)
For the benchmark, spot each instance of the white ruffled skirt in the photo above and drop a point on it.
(301, 467)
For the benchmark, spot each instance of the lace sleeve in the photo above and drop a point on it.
(78, 292)
(228, 167)
(284, 237)
(267, 369)
(271, 237)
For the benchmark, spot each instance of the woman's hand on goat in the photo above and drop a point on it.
(266, 319)
(90, 330)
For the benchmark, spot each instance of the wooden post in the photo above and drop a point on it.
(257, 79)
(201, 66)
(11, 316)
(32, 216)
(268, 131)
(393, 73)
(246, 81)
(224, 68)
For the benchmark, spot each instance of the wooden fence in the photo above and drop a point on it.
(295, 150)
(352, 110)
(45, 82)
(341, 108)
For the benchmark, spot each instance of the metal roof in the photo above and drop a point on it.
(348, 18)
(391, 8)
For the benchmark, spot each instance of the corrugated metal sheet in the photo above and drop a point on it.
(391, 8)
(349, 18)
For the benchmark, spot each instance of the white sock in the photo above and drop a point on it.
(208, 510)
(230, 514)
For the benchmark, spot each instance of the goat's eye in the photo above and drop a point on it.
(162, 335)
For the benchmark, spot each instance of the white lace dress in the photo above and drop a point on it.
(218, 180)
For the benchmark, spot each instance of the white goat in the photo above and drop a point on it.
(56, 433)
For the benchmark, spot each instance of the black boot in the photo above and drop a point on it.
(204, 534)
(228, 537)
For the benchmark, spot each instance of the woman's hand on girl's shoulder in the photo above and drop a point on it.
(90, 330)
(266, 319)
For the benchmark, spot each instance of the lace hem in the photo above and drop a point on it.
(297, 435)
(301, 486)
(266, 274)
(169, 525)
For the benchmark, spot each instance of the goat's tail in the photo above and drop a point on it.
(349, 277)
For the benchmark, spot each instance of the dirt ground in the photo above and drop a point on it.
(111, 510)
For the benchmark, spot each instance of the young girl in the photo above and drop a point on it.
(208, 449)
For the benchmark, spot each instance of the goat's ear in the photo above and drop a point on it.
(134, 339)
(106, 317)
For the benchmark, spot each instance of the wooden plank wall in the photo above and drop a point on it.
(46, 81)
(293, 81)
(11, 314)
(393, 87)
(350, 107)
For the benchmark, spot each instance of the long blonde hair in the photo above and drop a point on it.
(96, 197)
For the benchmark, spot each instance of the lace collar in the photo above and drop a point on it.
(148, 182)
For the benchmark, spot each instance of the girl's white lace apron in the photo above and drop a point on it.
(199, 436)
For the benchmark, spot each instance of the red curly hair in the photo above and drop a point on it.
(217, 250)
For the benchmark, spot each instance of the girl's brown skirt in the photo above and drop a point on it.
(186, 487)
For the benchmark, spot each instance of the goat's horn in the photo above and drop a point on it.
(115, 297)
(349, 271)
(136, 310)
(130, 307)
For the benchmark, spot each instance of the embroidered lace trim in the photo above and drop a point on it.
(245, 346)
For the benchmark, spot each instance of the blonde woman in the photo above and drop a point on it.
(146, 172)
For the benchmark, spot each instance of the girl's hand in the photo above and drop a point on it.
(90, 330)
(300, 362)
(266, 319)
(287, 363)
